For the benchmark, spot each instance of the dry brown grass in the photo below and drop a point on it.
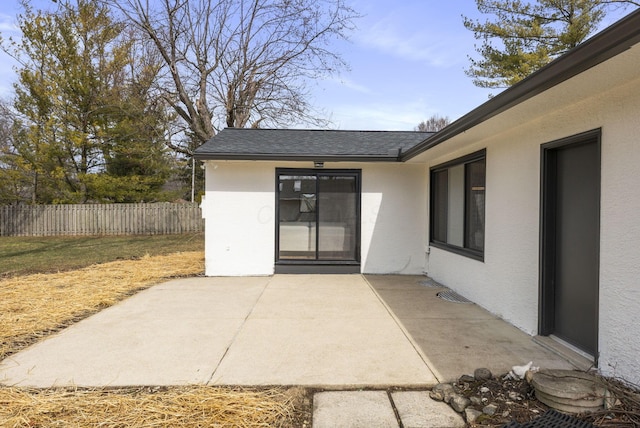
(34, 306)
(195, 406)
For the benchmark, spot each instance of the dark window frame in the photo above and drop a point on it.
(435, 219)
(333, 265)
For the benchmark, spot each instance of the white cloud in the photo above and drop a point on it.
(417, 32)
(8, 25)
(8, 28)
(346, 83)
(7, 73)
(414, 47)
(385, 116)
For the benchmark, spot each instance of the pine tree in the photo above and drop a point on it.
(84, 102)
(525, 36)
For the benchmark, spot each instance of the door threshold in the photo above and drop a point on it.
(579, 359)
(298, 268)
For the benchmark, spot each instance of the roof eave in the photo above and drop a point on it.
(601, 47)
(295, 157)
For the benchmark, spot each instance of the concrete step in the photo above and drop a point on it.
(382, 409)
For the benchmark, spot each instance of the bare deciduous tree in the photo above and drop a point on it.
(433, 124)
(240, 63)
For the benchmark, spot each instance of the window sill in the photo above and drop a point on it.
(472, 254)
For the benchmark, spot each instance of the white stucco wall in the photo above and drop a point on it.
(239, 207)
(620, 237)
(506, 283)
(239, 210)
(394, 203)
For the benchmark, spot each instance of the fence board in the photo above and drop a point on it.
(100, 219)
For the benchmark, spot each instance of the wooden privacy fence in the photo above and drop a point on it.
(100, 219)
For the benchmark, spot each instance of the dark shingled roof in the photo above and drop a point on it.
(305, 144)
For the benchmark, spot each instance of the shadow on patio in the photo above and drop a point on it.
(457, 338)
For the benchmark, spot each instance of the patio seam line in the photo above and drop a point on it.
(395, 409)
(405, 332)
(235, 336)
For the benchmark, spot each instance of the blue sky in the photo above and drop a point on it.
(407, 61)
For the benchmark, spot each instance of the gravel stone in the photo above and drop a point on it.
(466, 378)
(490, 409)
(459, 403)
(471, 415)
(482, 374)
(442, 392)
(475, 400)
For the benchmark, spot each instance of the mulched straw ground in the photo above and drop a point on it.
(34, 306)
(196, 406)
(625, 412)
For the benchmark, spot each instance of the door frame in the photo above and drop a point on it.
(286, 266)
(548, 209)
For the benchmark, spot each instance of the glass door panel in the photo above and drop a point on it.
(337, 217)
(297, 217)
(318, 216)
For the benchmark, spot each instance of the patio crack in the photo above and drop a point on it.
(235, 336)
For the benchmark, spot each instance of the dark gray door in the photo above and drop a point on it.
(571, 241)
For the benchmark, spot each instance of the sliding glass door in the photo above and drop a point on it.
(318, 216)
(297, 216)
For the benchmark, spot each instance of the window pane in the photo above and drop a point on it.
(297, 222)
(475, 205)
(455, 219)
(338, 220)
(457, 204)
(439, 205)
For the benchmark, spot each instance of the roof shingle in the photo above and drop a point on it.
(306, 144)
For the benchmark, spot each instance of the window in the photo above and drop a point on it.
(457, 205)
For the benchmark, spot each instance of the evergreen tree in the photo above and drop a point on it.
(525, 36)
(88, 127)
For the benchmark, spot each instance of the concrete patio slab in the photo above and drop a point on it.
(172, 334)
(457, 338)
(322, 352)
(335, 331)
(349, 409)
(330, 332)
(417, 410)
(291, 330)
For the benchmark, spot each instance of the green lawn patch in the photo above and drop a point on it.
(26, 255)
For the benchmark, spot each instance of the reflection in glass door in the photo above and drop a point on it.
(337, 218)
(297, 216)
(318, 216)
